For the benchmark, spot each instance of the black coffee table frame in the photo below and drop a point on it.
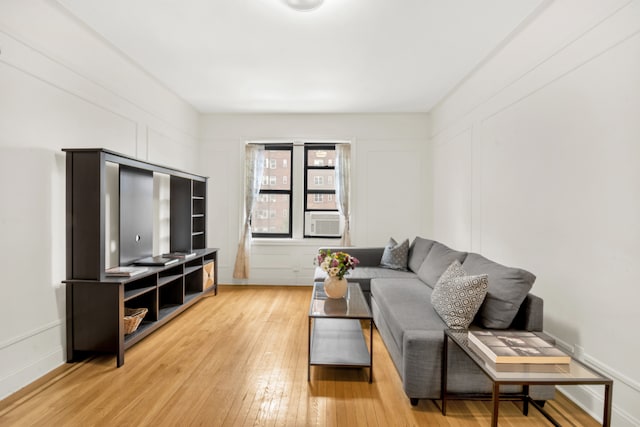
(575, 373)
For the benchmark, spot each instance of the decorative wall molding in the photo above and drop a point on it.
(14, 376)
(30, 334)
(612, 29)
(596, 393)
(37, 63)
(76, 104)
(481, 109)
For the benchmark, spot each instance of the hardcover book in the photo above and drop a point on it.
(516, 347)
(125, 271)
(522, 368)
(156, 261)
(180, 255)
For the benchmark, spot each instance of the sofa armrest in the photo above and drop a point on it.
(422, 354)
(368, 257)
(530, 315)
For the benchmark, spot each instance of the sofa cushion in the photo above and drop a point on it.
(367, 273)
(405, 304)
(368, 256)
(418, 252)
(395, 255)
(363, 275)
(508, 287)
(457, 296)
(437, 261)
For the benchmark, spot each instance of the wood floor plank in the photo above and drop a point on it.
(240, 359)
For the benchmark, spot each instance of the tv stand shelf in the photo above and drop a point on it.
(95, 301)
(97, 307)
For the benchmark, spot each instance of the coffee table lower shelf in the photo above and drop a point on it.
(338, 342)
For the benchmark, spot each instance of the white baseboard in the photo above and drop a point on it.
(31, 356)
(591, 398)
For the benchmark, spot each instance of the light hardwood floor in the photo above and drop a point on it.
(236, 359)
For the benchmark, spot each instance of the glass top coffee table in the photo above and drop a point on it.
(336, 337)
(573, 373)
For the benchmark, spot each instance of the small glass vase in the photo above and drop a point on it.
(334, 287)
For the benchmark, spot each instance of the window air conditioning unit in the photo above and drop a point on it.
(323, 224)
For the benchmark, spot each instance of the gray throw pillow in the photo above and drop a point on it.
(395, 255)
(457, 297)
(437, 261)
(508, 287)
(418, 251)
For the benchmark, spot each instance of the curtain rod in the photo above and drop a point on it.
(298, 143)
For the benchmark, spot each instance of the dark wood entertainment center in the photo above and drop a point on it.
(95, 302)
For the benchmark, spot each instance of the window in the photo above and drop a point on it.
(319, 177)
(288, 193)
(275, 194)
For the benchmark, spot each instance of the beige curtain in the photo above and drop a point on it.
(343, 189)
(253, 168)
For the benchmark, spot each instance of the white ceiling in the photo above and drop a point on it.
(346, 56)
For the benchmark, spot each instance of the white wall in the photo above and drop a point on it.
(390, 183)
(61, 86)
(536, 160)
(535, 165)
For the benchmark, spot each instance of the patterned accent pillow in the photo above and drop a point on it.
(395, 255)
(457, 297)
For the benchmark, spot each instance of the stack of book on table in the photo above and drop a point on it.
(156, 261)
(179, 255)
(125, 271)
(506, 349)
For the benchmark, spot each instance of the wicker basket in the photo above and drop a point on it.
(132, 319)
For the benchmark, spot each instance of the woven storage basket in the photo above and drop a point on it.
(132, 319)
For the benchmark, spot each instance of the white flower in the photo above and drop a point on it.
(333, 271)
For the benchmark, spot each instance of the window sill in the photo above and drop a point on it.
(315, 242)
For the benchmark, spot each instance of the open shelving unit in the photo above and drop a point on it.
(96, 302)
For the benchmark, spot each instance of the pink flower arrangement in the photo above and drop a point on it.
(336, 264)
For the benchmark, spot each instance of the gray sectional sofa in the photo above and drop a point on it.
(412, 330)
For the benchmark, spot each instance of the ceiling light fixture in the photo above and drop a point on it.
(303, 5)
